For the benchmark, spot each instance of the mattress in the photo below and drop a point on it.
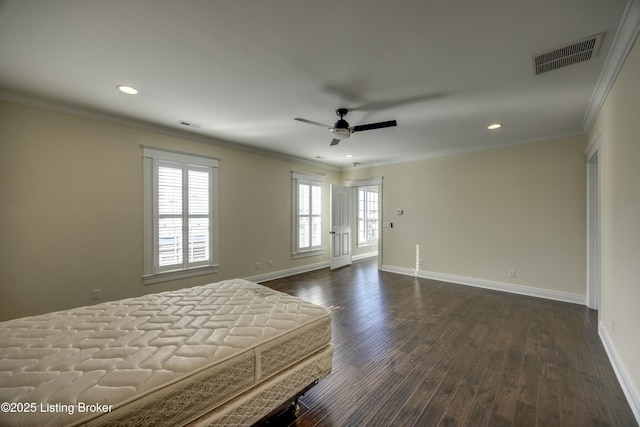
(162, 359)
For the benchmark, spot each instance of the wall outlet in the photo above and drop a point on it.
(270, 263)
(257, 266)
(512, 273)
(96, 294)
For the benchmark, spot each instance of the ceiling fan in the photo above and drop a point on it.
(342, 130)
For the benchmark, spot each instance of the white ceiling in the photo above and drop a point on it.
(444, 69)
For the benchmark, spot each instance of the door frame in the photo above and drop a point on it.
(373, 181)
(593, 225)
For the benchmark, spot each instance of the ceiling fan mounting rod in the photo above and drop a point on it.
(341, 112)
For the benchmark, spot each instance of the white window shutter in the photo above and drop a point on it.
(308, 207)
(180, 214)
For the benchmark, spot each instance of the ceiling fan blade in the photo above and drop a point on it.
(334, 142)
(313, 123)
(371, 126)
(390, 103)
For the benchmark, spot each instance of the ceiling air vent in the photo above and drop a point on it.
(579, 51)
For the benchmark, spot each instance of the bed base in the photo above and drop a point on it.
(271, 397)
(288, 409)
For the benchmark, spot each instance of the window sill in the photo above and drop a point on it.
(307, 253)
(178, 274)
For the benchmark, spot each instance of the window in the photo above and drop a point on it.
(307, 214)
(180, 192)
(368, 220)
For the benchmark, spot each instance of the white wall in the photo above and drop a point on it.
(617, 129)
(72, 212)
(71, 216)
(478, 215)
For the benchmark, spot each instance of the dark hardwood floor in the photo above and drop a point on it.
(413, 351)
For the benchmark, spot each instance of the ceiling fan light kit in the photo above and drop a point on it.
(341, 133)
(342, 130)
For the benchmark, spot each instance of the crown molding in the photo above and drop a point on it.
(115, 119)
(622, 43)
(472, 149)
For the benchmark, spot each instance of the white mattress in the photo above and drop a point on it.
(158, 359)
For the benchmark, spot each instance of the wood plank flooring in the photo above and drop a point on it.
(412, 351)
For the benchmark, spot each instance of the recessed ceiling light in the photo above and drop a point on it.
(348, 156)
(494, 126)
(127, 89)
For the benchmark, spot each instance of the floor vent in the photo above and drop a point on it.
(580, 51)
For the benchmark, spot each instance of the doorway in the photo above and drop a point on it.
(367, 217)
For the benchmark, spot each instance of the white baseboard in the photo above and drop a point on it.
(490, 284)
(365, 255)
(632, 394)
(461, 280)
(287, 272)
(303, 269)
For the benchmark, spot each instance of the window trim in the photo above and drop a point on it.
(296, 178)
(151, 157)
(366, 189)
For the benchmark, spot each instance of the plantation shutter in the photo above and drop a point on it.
(180, 201)
(307, 213)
